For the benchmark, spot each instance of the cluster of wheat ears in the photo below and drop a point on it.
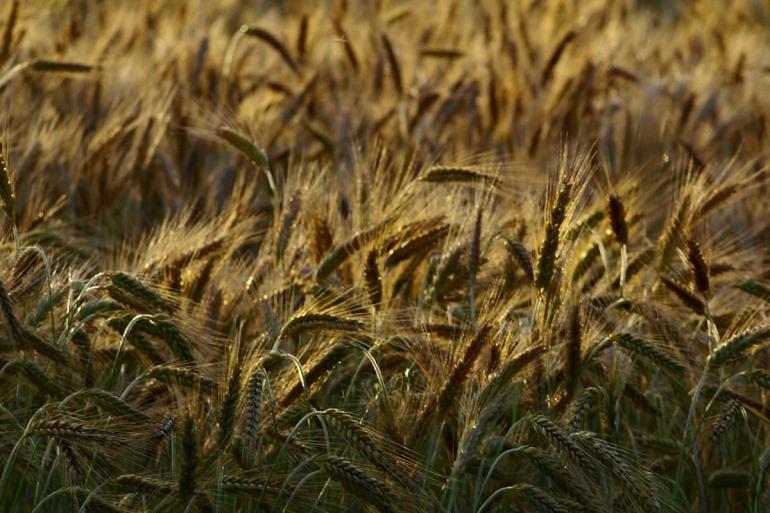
(384, 256)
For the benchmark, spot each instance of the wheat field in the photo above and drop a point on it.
(387, 256)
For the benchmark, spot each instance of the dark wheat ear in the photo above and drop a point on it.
(289, 217)
(558, 51)
(252, 397)
(10, 24)
(676, 223)
(474, 253)
(616, 213)
(302, 37)
(420, 243)
(716, 199)
(130, 291)
(7, 194)
(159, 433)
(360, 483)
(35, 374)
(546, 263)
(459, 174)
(561, 439)
(240, 142)
(523, 258)
(265, 36)
(46, 66)
(537, 497)
(313, 322)
(359, 438)
(67, 429)
(573, 347)
(395, 68)
(651, 352)
(474, 257)
(498, 384)
(727, 417)
(347, 45)
(321, 239)
(22, 337)
(373, 279)
(229, 410)
(341, 253)
(438, 404)
(729, 478)
(736, 346)
(582, 407)
(755, 289)
(325, 361)
(698, 267)
(692, 301)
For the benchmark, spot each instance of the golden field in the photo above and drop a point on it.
(384, 256)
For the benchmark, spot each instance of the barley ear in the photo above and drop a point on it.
(10, 24)
(7, 194)
(616, 213)
(698, 267)
(373, 279)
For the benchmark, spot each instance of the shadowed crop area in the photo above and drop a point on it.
(350, 256)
